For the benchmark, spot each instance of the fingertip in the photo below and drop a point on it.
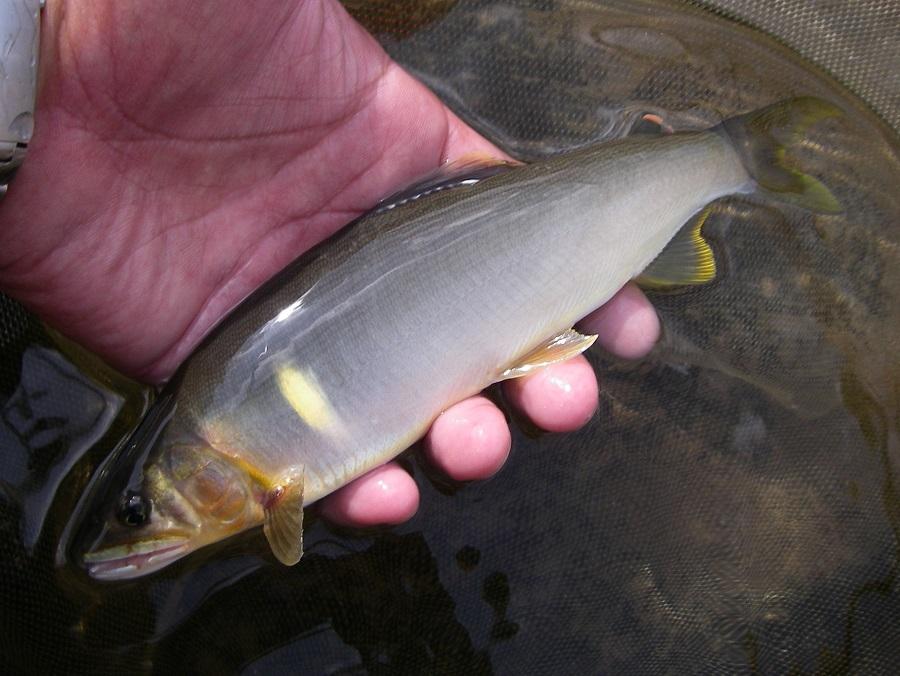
(559, 398)
(470, 440)
(387, 495)
(627, 325)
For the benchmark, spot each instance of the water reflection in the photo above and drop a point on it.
(379, 608)
(41, 439)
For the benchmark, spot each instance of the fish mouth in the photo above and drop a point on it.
(133, 560)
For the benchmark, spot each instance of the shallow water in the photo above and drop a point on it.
(734, 506)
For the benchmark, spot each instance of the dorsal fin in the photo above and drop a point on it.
(685, 261)
(465, 171)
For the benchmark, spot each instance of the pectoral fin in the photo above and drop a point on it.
(283, 524)
(687, 259)
(559, 348)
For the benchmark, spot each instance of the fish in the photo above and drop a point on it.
(477, 275)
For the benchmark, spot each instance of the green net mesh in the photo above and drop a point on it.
(854, 41)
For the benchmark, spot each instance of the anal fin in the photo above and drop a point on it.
(686, 260)
(283, 525)
(563, 346)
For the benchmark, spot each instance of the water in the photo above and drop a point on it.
(733, 507)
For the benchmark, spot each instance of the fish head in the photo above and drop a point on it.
(190, 495)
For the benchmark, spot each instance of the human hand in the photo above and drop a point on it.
(185, 152)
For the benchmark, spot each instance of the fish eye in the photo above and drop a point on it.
(134, 510)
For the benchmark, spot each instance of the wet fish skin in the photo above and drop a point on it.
(476, 280)
(346, 358)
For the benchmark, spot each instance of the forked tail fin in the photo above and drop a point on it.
(761, 138)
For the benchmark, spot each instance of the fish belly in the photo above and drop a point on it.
(436, 309)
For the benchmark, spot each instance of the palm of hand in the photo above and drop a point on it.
(213, 145)
(191, 150)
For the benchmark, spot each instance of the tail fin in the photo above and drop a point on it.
(760, 138)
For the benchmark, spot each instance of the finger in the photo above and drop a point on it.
(559, 398)
(387, 495)
(627, 325)
(470, 440)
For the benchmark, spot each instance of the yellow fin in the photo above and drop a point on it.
(477, 159)
(283, 525)
(559, 348)
(685, 261)
(302, 391)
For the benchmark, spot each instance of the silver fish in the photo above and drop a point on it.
(346, 358)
